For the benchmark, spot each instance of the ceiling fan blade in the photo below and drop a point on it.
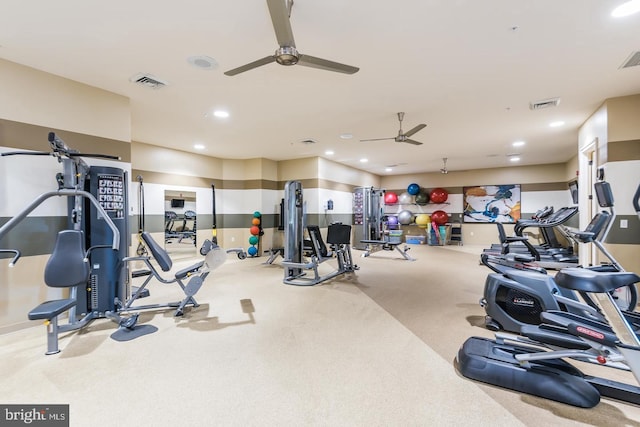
(281, 24)
(250, 66)
(375, 139)
(325, 64)
(411, 141)
(415, 129)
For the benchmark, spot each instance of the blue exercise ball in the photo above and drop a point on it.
(252, 251)
(413, 189)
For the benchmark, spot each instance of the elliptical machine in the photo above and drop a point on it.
(517, 294)
(533, 362)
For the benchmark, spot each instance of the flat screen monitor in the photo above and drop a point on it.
(177, 203)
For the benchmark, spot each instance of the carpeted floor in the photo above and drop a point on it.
(371, 349)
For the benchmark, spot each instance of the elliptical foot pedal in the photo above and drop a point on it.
(487, 361)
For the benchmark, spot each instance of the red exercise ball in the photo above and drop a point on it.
(255, 230)
(439, 217)
(438, 195)
(390, 198)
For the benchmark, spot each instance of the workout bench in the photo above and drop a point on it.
(196, 273)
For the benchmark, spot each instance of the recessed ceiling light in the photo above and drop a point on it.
(626, 9)
(346, 136)
(556, 124)
(329, 153)
(364, 160)
(202, 62)
(518, 143)
(388, 169)
(221, 114)
(199, 146)
(514, 159)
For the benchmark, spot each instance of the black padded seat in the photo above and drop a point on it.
(186, 271)
(586, 280)
(50, 309)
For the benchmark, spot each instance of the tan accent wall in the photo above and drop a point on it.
(336, 172)
(623, 114)
(31, 96)
(298, 169)
(174, 162)
(572, 167)
(621, 151)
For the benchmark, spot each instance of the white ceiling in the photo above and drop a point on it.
(466, 68)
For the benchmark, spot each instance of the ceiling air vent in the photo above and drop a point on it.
(632, 61)
(148, 80)
(545, 103)
(308, 141)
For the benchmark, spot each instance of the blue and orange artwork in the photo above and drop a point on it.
(492, 203)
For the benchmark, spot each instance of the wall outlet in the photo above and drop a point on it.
(233, 239)
(471, 233)
(624, 223)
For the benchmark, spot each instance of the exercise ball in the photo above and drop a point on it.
(405, 217)
(390, 198)
(438, 195)
(413, 189)
(423, 220)
(215, 257)
(253, 240)
(422, 198)
(255, 230)
(252, 251)
(255, 221)
(392, 222)
(439, 217)
(257, 214)
(405, 198)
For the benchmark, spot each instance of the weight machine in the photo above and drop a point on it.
(97, 278)
(295, 266)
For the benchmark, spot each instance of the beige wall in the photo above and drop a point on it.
(31, 96)
(623, 118)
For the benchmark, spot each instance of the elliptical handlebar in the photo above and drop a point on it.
(14, 260)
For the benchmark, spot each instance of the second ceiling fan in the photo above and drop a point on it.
(402, 136)
(287, 54)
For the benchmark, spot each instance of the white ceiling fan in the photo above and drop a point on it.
(287, 54)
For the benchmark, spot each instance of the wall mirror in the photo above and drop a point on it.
(180, 223)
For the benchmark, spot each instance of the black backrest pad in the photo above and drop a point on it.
(159, 254)
(339, 234)
(66, 266)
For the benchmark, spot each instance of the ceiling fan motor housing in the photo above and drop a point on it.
(287, 55)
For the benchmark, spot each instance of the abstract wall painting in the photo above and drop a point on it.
(492, 203)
